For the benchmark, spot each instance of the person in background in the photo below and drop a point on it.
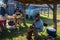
(3, 14)
(18, 14)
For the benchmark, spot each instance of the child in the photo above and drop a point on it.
(17, 16)
(29, 33)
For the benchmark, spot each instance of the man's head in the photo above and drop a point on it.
(37, 17)
(4, 5)
(17, 8)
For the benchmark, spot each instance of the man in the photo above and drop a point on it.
(3, 15)
(38, 26)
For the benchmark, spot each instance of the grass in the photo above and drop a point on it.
(21, 34)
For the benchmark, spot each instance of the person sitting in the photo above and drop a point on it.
(37, 26)
(17, 16)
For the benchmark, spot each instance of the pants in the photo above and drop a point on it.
(35, 32)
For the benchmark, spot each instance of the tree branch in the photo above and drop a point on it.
(50, 7)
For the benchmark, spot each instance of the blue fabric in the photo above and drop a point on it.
(2, 11)
(11, 23)
(10, 9)
(5, 1)
(39, 25)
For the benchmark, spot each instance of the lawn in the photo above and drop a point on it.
(21, 34)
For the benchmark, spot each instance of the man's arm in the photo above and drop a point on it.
(41, 25)
(34, 27)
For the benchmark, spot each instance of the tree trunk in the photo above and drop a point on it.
(48, 11)
(24, 15)
(55, 16)
(54, 9)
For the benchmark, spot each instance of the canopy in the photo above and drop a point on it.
(40, 1)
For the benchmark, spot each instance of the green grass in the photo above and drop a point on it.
(21, 34)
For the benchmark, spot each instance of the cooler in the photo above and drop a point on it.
(51, 32)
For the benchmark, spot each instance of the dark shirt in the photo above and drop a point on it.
(2, 11)
(17, 11)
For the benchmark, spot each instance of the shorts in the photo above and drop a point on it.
(2, 22)
(17, 14)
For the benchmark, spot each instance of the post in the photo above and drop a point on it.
(55, 15)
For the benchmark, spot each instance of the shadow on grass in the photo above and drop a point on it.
(57, 38)
(22, 30)
(13, 33)
(47, 37)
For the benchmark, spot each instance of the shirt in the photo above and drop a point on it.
(39, 25)
(3, 11)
